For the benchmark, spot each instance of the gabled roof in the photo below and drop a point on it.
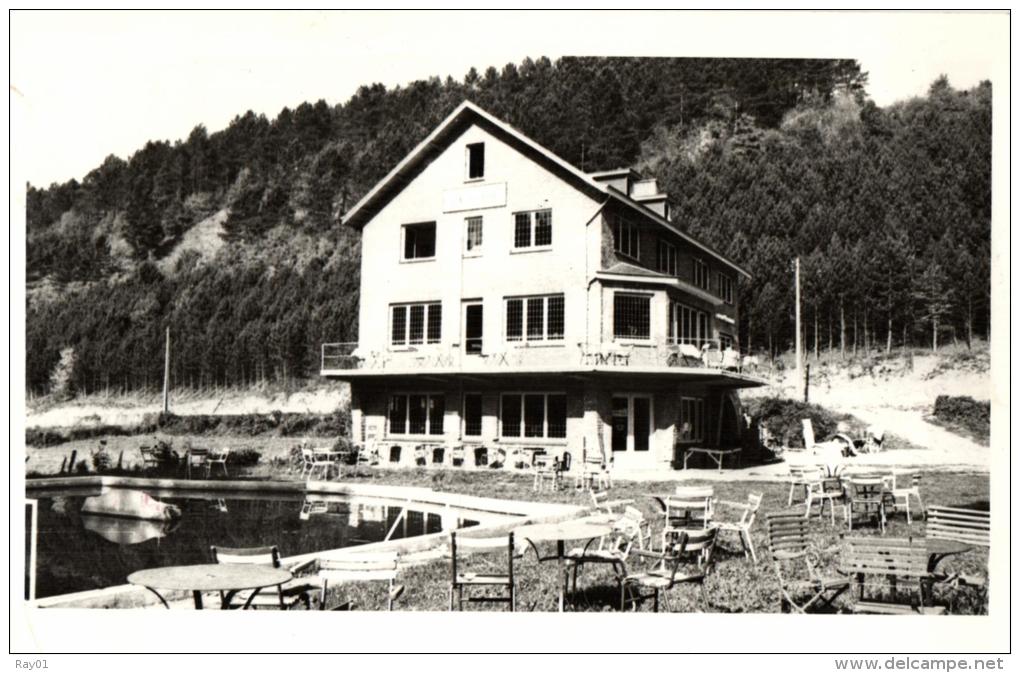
(467, 114)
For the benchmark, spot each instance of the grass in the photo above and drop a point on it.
(736, 585)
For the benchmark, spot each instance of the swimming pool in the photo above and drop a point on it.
(77, 551)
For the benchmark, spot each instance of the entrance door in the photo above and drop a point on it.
(473, 328)
(632, 424)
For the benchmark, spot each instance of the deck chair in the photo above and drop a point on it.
(502, 583)
(282, 597)
(692, 551)
(802, 589)
(361, 567)
(742, 526)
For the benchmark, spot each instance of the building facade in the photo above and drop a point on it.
(509, 300)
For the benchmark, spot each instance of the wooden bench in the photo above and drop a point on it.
(963, 525)
(893, 564)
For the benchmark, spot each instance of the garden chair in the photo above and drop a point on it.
(690, 355)
(323, 459)
(283, 597)
(893, 566)
(367, 455)
(969, 526)
(693, 550)
(460, 580)
(742, 527)
(217, 457)
(610, 509)
(795, 562)
(547, 468)
(361, 567)
(307, 462)
(801, 477)
(150, 458)
(498, 459)
(901, 492)
(198, 458)
(865, 497)
(689, 506)
(594, 470)
(824, 490)
(629, 529)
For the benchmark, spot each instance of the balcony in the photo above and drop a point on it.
(347, 360)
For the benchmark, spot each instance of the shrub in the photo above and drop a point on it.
(782, 417)
(345, 446)
(965, 412)
(244, 457)
(101, 460)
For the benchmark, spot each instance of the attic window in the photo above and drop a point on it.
(476, 161)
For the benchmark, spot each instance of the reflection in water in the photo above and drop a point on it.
(81, 550)
(120, 530)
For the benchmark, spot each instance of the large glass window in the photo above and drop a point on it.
(687, 325)
(632, 316)
(416, 414)
(533, 229)
(420, 240)
(412, 324)
(533, 415)
(534, 318)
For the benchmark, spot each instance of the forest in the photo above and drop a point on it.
(888, 209)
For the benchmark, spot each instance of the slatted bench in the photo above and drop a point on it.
(896, 564)
(963, 525)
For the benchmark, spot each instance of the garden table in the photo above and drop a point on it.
(562, 532)
(225, 577)
(715, 454)
(940, 549)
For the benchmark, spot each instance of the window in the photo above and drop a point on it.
(473, 235)
(632, 316)
(625, 238)
(687, 325)
(420, 240)
(417, 414)
(472, 415)
(725, 340)
(725, 285)
(534, 318)
(700, 274)
(692, 420)
(412, 324)
(666, 254)
(533, 415)
(476, 161)
(533, 229)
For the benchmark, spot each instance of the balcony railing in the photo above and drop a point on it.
(707, 354)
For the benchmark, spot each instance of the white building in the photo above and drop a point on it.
(510, 300)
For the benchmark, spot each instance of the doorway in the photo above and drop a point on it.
(631, 432)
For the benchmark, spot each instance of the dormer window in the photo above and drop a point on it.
(420, 240)
(476, 161)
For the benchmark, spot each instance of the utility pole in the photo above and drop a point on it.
(166, 375)
(796, 280)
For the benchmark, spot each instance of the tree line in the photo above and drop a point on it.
(766, 159)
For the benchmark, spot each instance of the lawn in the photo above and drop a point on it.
(734, 585)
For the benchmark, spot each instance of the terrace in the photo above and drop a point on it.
(705, 362)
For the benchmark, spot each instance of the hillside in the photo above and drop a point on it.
(231, 238)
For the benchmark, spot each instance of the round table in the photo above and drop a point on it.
(562, 532)
(226, 577)
(940, 549)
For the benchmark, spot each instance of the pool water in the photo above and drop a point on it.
(78, 551)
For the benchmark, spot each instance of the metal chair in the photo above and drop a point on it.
(218, 457)
(865, 496)
(284, 597)
(692, 549)
(742, 527)
(361, 567)
(795, 561)
(460, 581)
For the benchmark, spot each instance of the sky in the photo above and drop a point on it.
(86, 85)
